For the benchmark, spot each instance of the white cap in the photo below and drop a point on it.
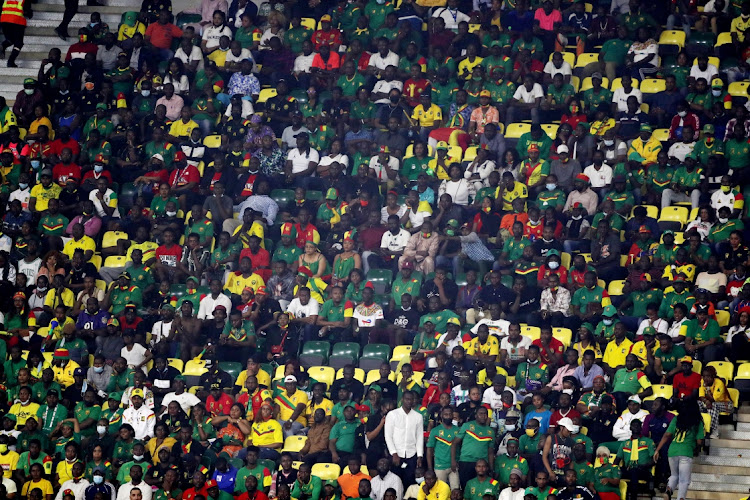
(562, 148)
(290, 378)
(567, 423)
(158, 157)
(635, 399)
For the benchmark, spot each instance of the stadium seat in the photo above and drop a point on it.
(671, 41)
(233, 368)
(266, 94)
(111, 238)
(212, 141)
(660, 391)
(586, 257)
(723, 39)
(401, 353)
(722, 317)
(344, 353)
(661, 134)
(739, 89)
(587, 83)
(359, 374)
(283, 197)
(195, 368)
(617, 84)
(586, 58)
(616, 287)
(706, 424)
(724, 370)
(516, 130)
(362, 468)
(293, 444)
(711, 60)
(533, 332)
(470, 153)
(315, 352)
(326, 472)
(176, 363)
(374, 375)
(651, 211)
(674, 218)
(374, 355)
(314, 195)
(455, 153)
(565, 259)
(568, 57)
(417, 377)
(309, 23)
(324, 374)
(115, 261)
(380, 278)
(550, 129)
(96, 260)
(564, 335)
(410, 151)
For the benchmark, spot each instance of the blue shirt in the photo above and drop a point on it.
(543, 420)
(225, 480)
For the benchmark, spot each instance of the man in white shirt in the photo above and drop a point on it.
(498, 327)
(526, 100)
(555, 66)
(515, 491)
(381, 59)
(703, 70)
(303, 62)
(290, 133)
(385, 479)
(183, 398)
(77, 485)
(404, 436)
(599, 173)
(382, 163)
(213, 299)
(683, 148)
(136, 481)
(621, 430)
(620, 96)
(302, 160)
(451, 15)
(383, 87)
(139, 416)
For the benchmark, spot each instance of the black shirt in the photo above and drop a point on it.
(454, 369)
(408, 320)
(356, 388)
(496, 294)
(430, 289)
(388, 389)
(529, 300)
(77, 275)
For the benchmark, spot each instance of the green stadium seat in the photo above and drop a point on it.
(233, 368)
(373, 355)
(344, 353)
(178, 291)
(315, 352)
(283, 197)
(381, 279)
(313, 195)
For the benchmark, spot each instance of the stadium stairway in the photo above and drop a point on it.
(723, 473)
(40, 38)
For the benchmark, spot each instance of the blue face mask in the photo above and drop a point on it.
(98, 168)
(35, 163)
(23, 185)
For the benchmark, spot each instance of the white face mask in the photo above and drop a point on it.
(682, 114)
(723, 220)
(28, 91)
(579, 217)
(576, 429)
(98, 168)
(171, 214)
(419, 480)
(98, 479)
(608, 142)
(553, 265)
(98, 369)
(454, 422)
(716, 93)
(101, 429)
(510, 427)
(138, 457)
(567, 391)
(145, 93)
(550, 187)
(607, 322)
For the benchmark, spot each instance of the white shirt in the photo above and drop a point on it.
(22, 195)
(160, 331)
(136, 356)
(185, 400)
(342, 159)
(450, 344)
(212, 34)
(641, 53)
(509, 494)
(674, 329)
(382, 62)
(29, 268)
(244, 54)
(78, 488)
(497, 327)
(181, 86)
(303, 311)
(108, 196)
(552, 70)
(195, 55)
(460, 191)
(516, 351)
(404, 434)
(303, 63)
(123, 492)
(451, 17)
(599, 178)
(527, 96)
(289, 135)
(660, 325)
(381, 171)
(142, 420)
(621, 430)
(680, 150)
(301, 161)
(620, 98)
(721, 199)
(490, 397)
(208, 304)
(709, 74)
(379, 485)
(247, 109)
(385, 87)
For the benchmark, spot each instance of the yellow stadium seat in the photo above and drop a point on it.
(279, 373)
(589, 8)
(565, 259)
(266, 94)
(568, 57)
(587, 84)
(533, 332)
(176, 363)
(586, 58)
(711, 60)
(660, 391)
(455, 153)
(674, 214)
(359, 374)
(101, 285)
(651, 211)
(326, 472)
(309, 23)
(723, 39)
(195, 367)
(564, 335)
(724, 369)
(325, 374)
(624, 260)
(661, 134)
(401, 352)
(617, 84)
(111, 238)
(212, 141)
(734, 395)
(516, 130)
(575, 82)
(374, 375)
(697, 366)
(115, 261)
(194, 389)
(470, 153)
(739, 89)
(416, 377)
(743, 372)
(672, 37)
(363, 468)
(550, 129)
(410, 151)
(474, 27)
(586, 257)
(96, 260)
(616, 287)
(293, 444)
(722, 317)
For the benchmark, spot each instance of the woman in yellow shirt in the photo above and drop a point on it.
(161, 439)
(713, 398)
(318, 400)
(64, 470)
(37, 481)
(40, 118)
(266, 433)
(586, 341)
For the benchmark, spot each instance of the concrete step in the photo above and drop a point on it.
(727, 486)
(112, 19)
(736, 444)
(108, 3)
(722, 460)
(83, 9)
(743, 480)
(719, 469)
(730, 452)
(708, 495)
(744, 417)
(734, 435)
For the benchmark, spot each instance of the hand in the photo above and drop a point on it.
(287, 425)
(396, 460)
(419, 461)
(656, 456)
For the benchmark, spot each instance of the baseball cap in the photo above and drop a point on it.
(485, 93)
(157, 156)
(609, 311)
(136, 392)
(596, 75)
(325, 18)
(332, 194)
(686, 359)
(634, 399)
(290, 378)
(407, 264)
(562, 148)
(567, 423)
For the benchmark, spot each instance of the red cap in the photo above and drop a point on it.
(370, 285)
(305, 270)
(180, 156)
(211, 483)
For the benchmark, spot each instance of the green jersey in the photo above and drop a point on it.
(344, 433)
(504, 464)
(702, 333)
(476, 489)
(684, 442)
(441, 439)
(476, 441)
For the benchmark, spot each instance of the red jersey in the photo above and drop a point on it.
(58, 145)
(183, 176)
(94, 176)
(169, 256)
(545, 272)
(61, 173)
(260, 262)
(219, 406)
(159, 177)
(685, 386)
(413, 90)
(555, 346)
(330, 37)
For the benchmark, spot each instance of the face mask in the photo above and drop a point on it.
(553, 265)
(608, 142)
(419, 480)
(454, 422)
(550, 187)
(394, 99)
(101, 429)
(171, 214)
(98, 369)
(28, 91)
(98, 479)
(89, 85)
(682, 113)
(574, 217)
(98, 168)
(35, 163)
(145, 93)
(426, 235)
(138, 458)
(607, 322)
(576, 429)
(603, 460)
(532, 362)
(574, 109)
(531, 432)
(723, 220)
(23, 185)
(510, 427)
(716, 93)
(726, 189)
(568, 391)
